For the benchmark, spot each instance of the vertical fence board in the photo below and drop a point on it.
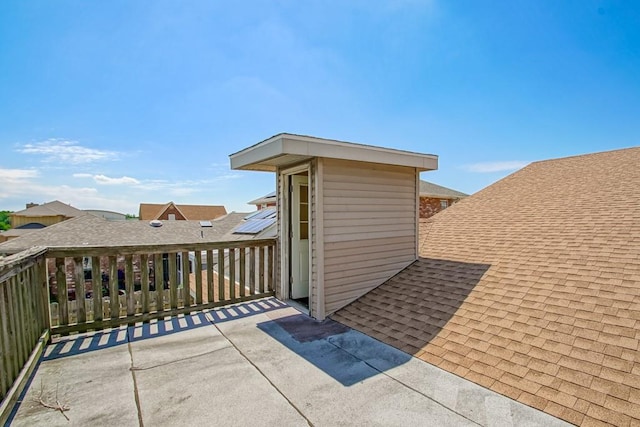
(252, 270)
(232, 274)
(114, 301)
(210, 283)
(24, 327)
(158, 273)
(13, 344)
(32, 319)
(43, 282)
(243, 271)
(18, 294)
(18, 319)
(78, 269)
(96, 288)
(186, 283)
(129, 285)
(261, 268)
(221, 268)
(198, 276)
(271, 268)
(5, 348)
(173, 280)
(61, 281)
(144, 281)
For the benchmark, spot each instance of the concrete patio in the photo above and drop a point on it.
(257, 363)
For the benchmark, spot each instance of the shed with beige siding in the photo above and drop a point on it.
(347, 215)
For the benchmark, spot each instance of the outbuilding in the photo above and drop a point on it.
(348, 215)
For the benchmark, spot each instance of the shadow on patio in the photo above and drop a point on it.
(330, 347)
(82, 343)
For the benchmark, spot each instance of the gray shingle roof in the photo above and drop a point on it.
(54, 208)
(429, 189)
(91, 230)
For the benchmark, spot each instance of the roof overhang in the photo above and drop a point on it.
(286, 149)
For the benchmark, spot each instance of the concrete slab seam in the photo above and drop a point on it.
(136, 395)
(405, 385)
(264, 376)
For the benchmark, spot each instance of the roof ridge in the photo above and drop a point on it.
(573, 156)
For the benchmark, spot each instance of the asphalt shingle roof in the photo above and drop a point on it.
(149, 211)
(531, 288)
(90, 230)
(54, 208)
(429, 189)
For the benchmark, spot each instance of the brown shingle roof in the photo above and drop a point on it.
(531, 288)
(150, 211)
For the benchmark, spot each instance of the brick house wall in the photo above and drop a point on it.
(430, 206)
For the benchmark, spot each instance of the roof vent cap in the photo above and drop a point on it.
(155, 223)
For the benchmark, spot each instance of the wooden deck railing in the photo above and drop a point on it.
(24, 322)
(48, 291)
(95, 288)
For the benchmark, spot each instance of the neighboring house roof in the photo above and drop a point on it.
(54, 208)
(268, 198)
(530, 287)
(16, 232)
(89, 230)
(150, 211)
(31, 226)
(110, 215)
(429, 189)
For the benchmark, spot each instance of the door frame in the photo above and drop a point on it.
(285, 229)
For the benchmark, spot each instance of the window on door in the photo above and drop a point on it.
(304, 212)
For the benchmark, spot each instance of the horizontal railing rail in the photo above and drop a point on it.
(24, 321)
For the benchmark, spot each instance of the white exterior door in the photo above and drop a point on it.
(299, 228)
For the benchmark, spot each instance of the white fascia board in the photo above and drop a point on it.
(265, 150)
(363, 153)
(287, 144)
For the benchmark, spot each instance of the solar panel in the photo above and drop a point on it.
(262, 214)
(254, 226)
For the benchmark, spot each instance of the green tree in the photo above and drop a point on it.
(5, 220)
(130, 216)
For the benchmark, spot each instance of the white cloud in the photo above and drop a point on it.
(105, 180)
(119, 193)
(9, 176)
(102, 179)
(489, 167)
(65, 152)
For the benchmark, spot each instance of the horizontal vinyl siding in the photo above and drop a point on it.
(369, 227)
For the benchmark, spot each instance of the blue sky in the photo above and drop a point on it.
(107, 104)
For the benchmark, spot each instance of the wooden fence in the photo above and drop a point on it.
(96, 288)
(24, 322)
(48, 291)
